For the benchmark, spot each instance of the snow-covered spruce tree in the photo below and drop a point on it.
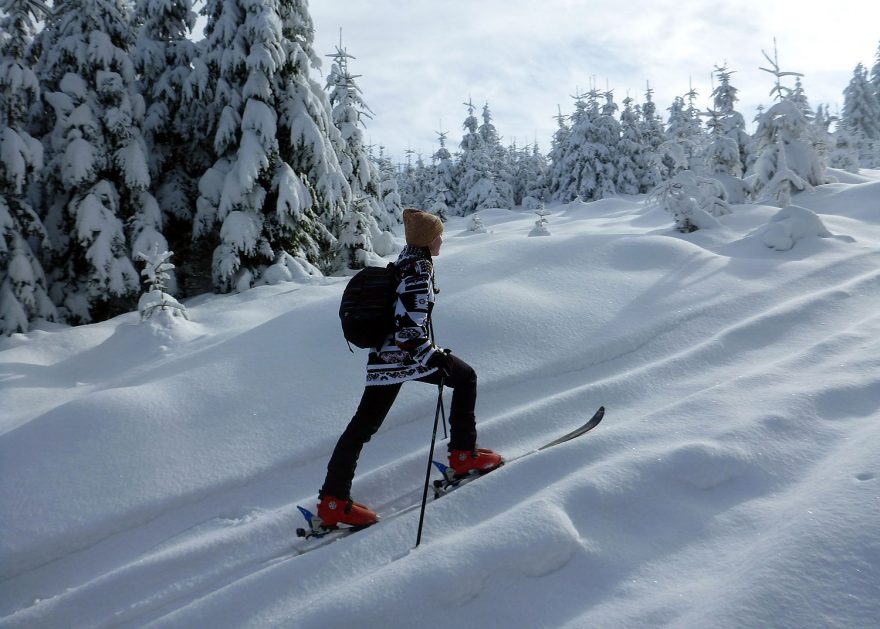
(349, 111)
(783, 129)
(476, 224)
(540, 228)
(157, 274)
(499, 163)
(23, 291)
(276, 189)
(415, 181)
(354, 242)
(476, 182)
(602, 133)
(559, 181)
(651, 130)
(683, 129)
(607, 138)
(629, 161)
(777, 191)
(533, 172)
(732, 124)
(527, 175)
(580, 167)
(823, 141)
(844, 152)
(692, 200)
(304, 115)
(444, 183)
(799, 98)
(722, 158)
(875, 74)
(96, 193)
(388, 188)
(861, 117)
(515, 161)
(163, 56)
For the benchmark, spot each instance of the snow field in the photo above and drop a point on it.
(153, 474)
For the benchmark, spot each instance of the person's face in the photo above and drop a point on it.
(435, 245)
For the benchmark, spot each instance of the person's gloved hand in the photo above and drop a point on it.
(442, 360)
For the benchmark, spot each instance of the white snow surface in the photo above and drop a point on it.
(150, 472)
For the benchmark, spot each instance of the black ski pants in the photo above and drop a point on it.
(374, 406)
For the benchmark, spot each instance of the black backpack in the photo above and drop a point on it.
(367, 308)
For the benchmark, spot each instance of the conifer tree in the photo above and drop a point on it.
(559, 180)
(684, 148)
(722, 153)
(388, 189)
(157, 274)
(99, 208)
(533, 172)
(607, 138)
(476, 181)
(630, 151)
(823, 141)
(443, 196)
(349, 110)
(692, 200)
(276, 188)
(406, 180)
(732, 123)
(651, 127)
(23, 290)
(499, 164)
(784, 129)
(416, 181)
(844, 151)
(799, 98)
(875, 75)
(163, 56)
(861, 117)
(580, 168)
(722, 158)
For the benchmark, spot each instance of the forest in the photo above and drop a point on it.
(231, 161)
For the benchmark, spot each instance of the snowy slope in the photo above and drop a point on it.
(150, 475)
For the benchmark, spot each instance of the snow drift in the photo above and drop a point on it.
(149, 475)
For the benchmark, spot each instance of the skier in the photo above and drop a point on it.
(409, 353)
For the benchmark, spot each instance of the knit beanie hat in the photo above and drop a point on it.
(421, 228)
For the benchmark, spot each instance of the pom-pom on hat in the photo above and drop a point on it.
(420, 228)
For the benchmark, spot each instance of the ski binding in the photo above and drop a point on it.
(317, 529)
(451, 480)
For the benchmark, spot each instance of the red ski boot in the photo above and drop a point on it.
(334, 511)
(479, 461)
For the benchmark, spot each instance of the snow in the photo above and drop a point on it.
(150, 472)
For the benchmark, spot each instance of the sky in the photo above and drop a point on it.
(421, 60)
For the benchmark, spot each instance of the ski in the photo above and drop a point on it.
(448, 483)
(577, 432)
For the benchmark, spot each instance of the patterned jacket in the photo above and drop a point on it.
(405, 353)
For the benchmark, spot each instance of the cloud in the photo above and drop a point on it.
(420, 60)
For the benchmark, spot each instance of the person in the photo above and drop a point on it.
(408, 353)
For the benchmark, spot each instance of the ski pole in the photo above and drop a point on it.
(431, 457)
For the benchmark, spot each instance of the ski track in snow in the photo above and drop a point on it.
(734, 481)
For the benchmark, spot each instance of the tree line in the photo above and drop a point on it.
(122, 139)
